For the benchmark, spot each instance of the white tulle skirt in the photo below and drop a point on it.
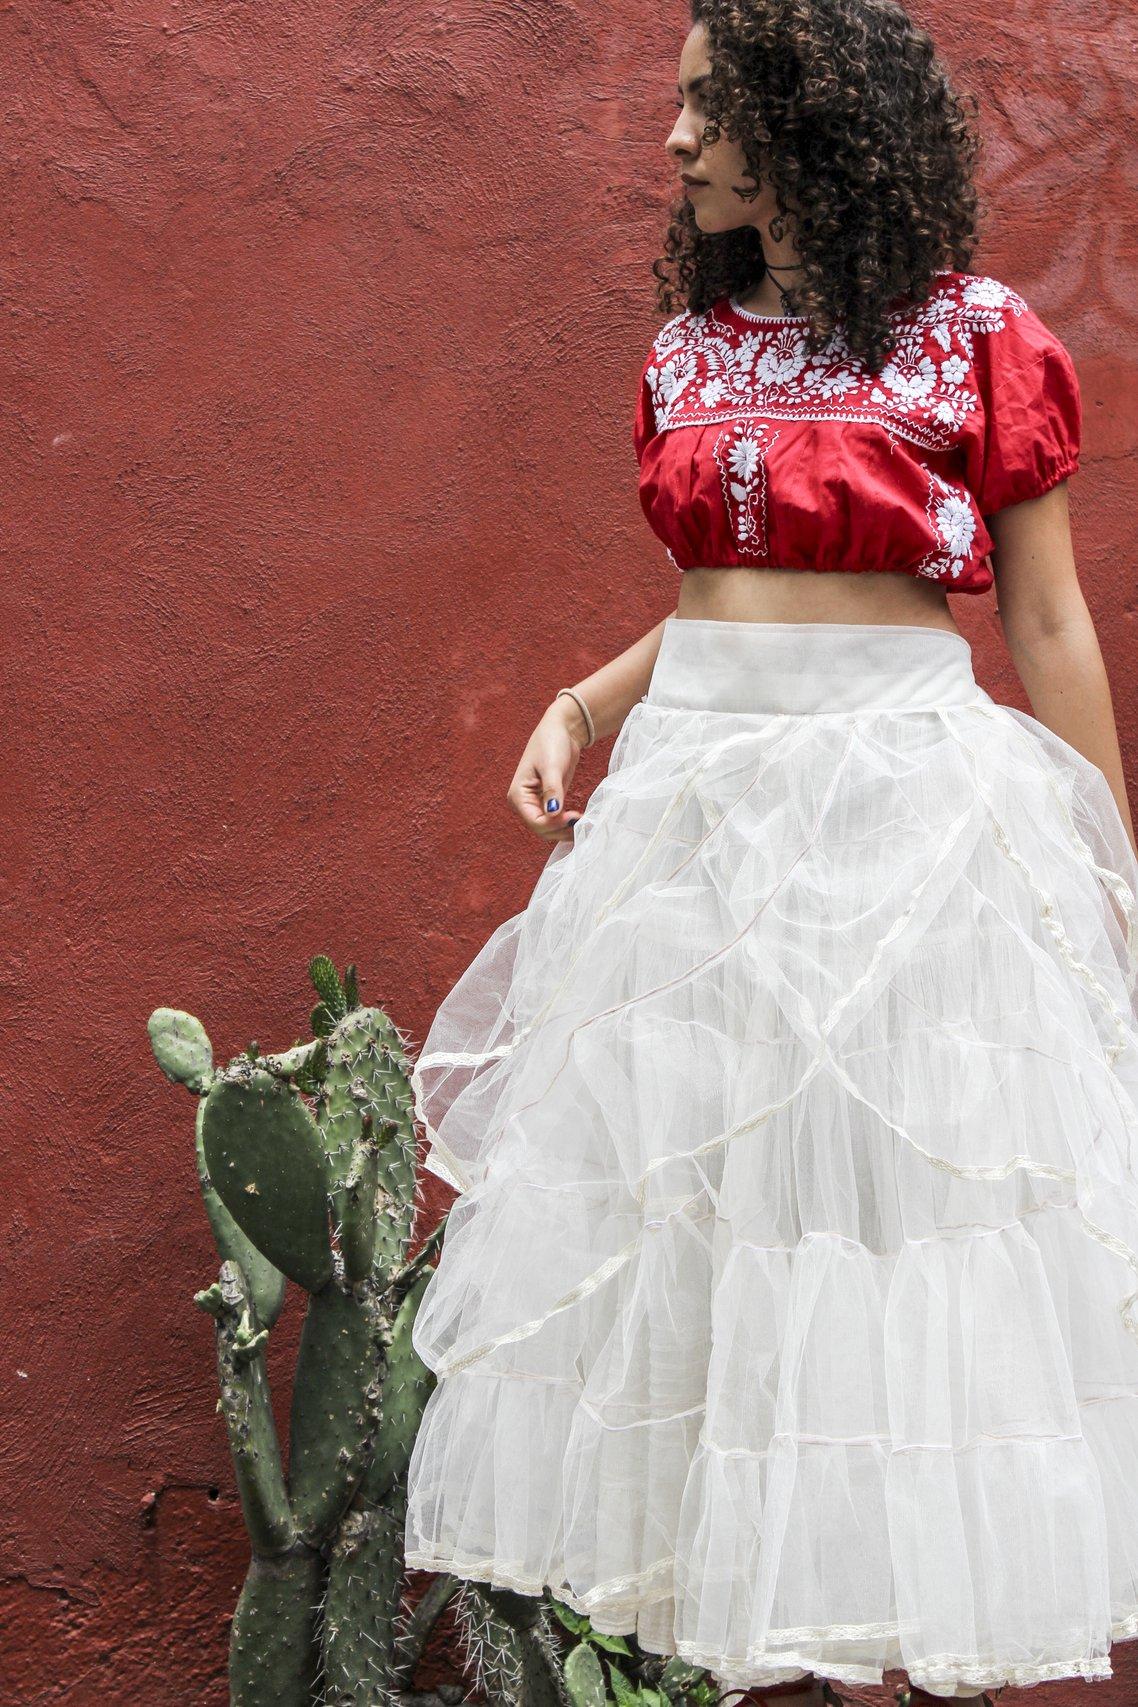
(787, 1316)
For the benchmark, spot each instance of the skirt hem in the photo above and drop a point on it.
(938, 1671)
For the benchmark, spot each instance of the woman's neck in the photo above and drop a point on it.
(766, 296)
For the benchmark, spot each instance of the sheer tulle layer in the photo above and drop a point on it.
(788, 1313)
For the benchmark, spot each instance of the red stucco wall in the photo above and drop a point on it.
(323, 326)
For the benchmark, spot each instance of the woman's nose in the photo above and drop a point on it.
(682, 144)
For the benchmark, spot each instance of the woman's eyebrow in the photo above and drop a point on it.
(694, 84)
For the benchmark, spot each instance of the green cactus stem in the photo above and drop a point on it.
(358, 1215)
(324, 1195)
(361, 1609)
(416, 1623)
(274, 1647)
(367, 1071)
(542, 1683)
(407, 1386)
(326, 982)
(491, 1649)
(291, 1061)
(248, 1413)
(266, 1161)
(585, 1677)
(340, 1365)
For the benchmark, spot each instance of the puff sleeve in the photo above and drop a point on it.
(1026, 433)
(644, 425)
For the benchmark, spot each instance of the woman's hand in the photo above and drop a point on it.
(545, 772)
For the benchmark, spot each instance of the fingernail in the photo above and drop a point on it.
(552, 803)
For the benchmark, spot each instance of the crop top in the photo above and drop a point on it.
(753, 451)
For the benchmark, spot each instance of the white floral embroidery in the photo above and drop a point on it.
(781, 361)
(952, 515)
(836, 384)
(982, 291)
(911, 376)
(740, 452)
(708, 371)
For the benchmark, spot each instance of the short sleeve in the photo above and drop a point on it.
(644, 420)
(1028, 431)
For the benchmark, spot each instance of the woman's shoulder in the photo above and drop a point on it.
(982, 304)
(676, 328)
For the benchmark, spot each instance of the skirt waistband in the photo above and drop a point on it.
(707, 665)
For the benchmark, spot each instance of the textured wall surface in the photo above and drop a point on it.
(322, 331)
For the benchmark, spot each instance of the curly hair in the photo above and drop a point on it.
(845, 107)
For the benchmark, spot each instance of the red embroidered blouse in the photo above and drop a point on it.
(754, 452)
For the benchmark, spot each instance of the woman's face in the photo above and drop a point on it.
(719, 170)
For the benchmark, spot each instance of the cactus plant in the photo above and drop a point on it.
(307, 1167)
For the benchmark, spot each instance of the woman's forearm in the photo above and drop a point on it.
(612, 691)
(1065, 679)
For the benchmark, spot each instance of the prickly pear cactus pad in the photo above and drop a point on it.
(267, 1164)
(181, 1047)
(266, 1282)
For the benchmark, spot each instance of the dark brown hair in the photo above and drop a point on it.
(845, 107)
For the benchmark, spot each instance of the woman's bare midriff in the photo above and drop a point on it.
(813, 595)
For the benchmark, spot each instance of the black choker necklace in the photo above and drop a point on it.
(785, 267)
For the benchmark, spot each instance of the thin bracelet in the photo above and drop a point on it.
(585, 712)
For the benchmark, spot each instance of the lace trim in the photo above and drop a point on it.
(590, 1409)
(951, 1230)
(491, 1570)
(440, 1159)
(943, 1669)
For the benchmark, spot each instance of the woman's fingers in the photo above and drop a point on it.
(545, 773)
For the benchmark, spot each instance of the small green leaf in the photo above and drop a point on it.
(611, 1644)
(624, 1693)
(577, 1622)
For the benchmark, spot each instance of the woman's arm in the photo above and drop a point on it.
(611, 692)
(545, 770)
(1051, 634)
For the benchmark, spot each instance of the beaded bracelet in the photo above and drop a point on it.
(585, 712)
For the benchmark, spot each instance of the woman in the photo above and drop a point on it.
(787, 1315)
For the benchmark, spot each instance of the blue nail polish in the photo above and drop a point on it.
(552, 803)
